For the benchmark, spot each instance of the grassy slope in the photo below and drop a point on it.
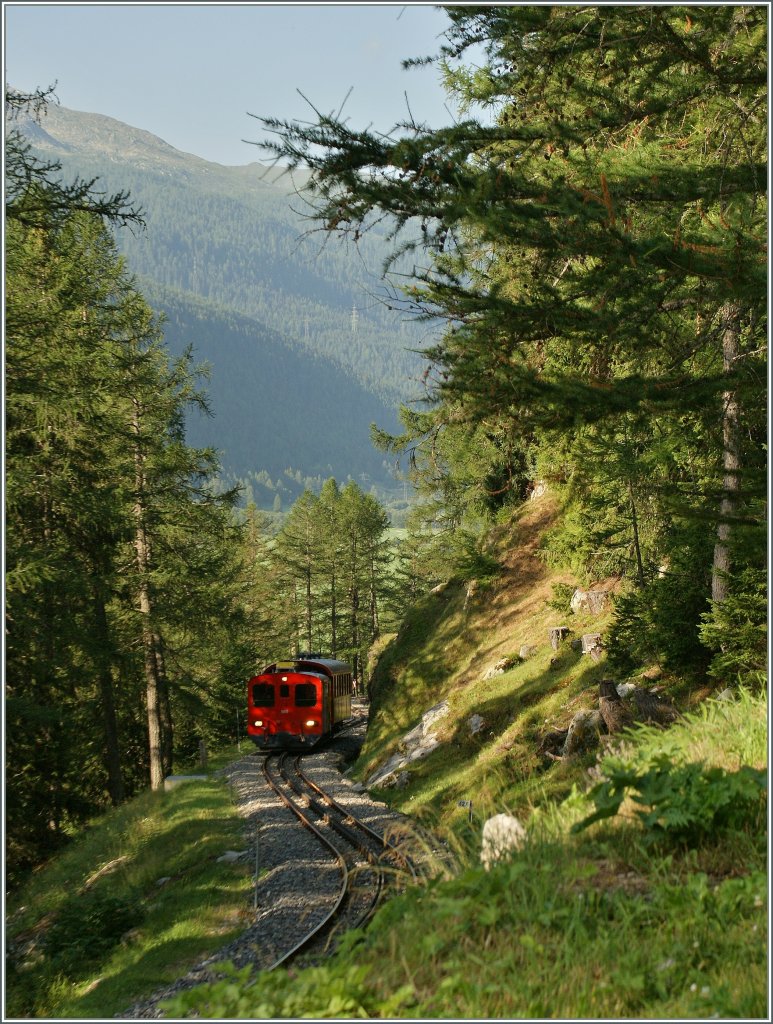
(443, 651)
(120, 934)
(603, 923)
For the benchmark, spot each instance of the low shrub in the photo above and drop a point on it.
(86, 929)
(680, 802)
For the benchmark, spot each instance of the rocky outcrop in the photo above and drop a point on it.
(593, 601)
(475, 723)
(416, 744)
(500, 667)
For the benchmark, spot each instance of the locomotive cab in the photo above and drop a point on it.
(296, 703)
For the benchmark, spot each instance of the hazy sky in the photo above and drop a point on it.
(192, 73)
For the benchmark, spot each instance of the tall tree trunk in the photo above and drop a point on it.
(113, 766)
(164, 707)
(143, 565)
(731, 454)
(636, 545)
(309, 644)
(333, 614)
(354, 597)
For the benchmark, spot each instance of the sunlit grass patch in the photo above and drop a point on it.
(129, 906)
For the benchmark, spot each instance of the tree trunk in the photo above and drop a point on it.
(164, 707)
(374, 623)
(143, 564)
(334, 638)
(151, 679)
(636, 545)
(731, 455)
(113, 767)
(309, 643)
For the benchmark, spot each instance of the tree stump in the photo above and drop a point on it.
(557, 635)
(590, 641)
(614, 713)
(651, 708)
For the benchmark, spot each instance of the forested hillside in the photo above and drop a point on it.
(273, 406)
(222, 254)
(600, 256)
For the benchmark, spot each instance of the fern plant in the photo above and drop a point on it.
(679, 802)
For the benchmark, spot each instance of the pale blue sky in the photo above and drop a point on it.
(190, 73)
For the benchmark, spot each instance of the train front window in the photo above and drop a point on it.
(263, 695)
(305, 695)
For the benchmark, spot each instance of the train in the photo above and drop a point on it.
(295, 704)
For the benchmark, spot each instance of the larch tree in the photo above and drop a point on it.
(596, 246)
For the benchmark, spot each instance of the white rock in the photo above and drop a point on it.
(538, 490)
(503, 835)
(593, 601)
(415, 744)
(625, 689)
(230, 856)
(475, 723)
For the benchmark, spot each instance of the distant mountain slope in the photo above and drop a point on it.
(238, 236)
(284, 320)
(279, 407)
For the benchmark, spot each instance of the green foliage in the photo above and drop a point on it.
(121, 563)
(660, 620)
(598, 253)
(324, 582)
(681, 803)
(736, 628)
(329, 991)
(86, 928)
(64, 925)
(562, 596)
(469, 559)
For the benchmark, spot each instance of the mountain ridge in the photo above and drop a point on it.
(230, 238)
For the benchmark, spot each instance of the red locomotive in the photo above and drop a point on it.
(297, 703)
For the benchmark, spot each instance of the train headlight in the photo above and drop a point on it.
(258, 722)
(310, 722)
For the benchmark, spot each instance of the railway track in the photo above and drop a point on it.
(300, 880)
(367, 862)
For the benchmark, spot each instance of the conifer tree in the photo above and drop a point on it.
(107, 508)
(598, 245)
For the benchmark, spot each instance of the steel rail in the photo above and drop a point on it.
(346, 833)
(306, 821)
(378, 837)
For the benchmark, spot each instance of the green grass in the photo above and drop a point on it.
(436, 656)
(625, 919)
(598, 924)
(94, 931)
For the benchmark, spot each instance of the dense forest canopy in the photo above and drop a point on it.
(139, 597)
